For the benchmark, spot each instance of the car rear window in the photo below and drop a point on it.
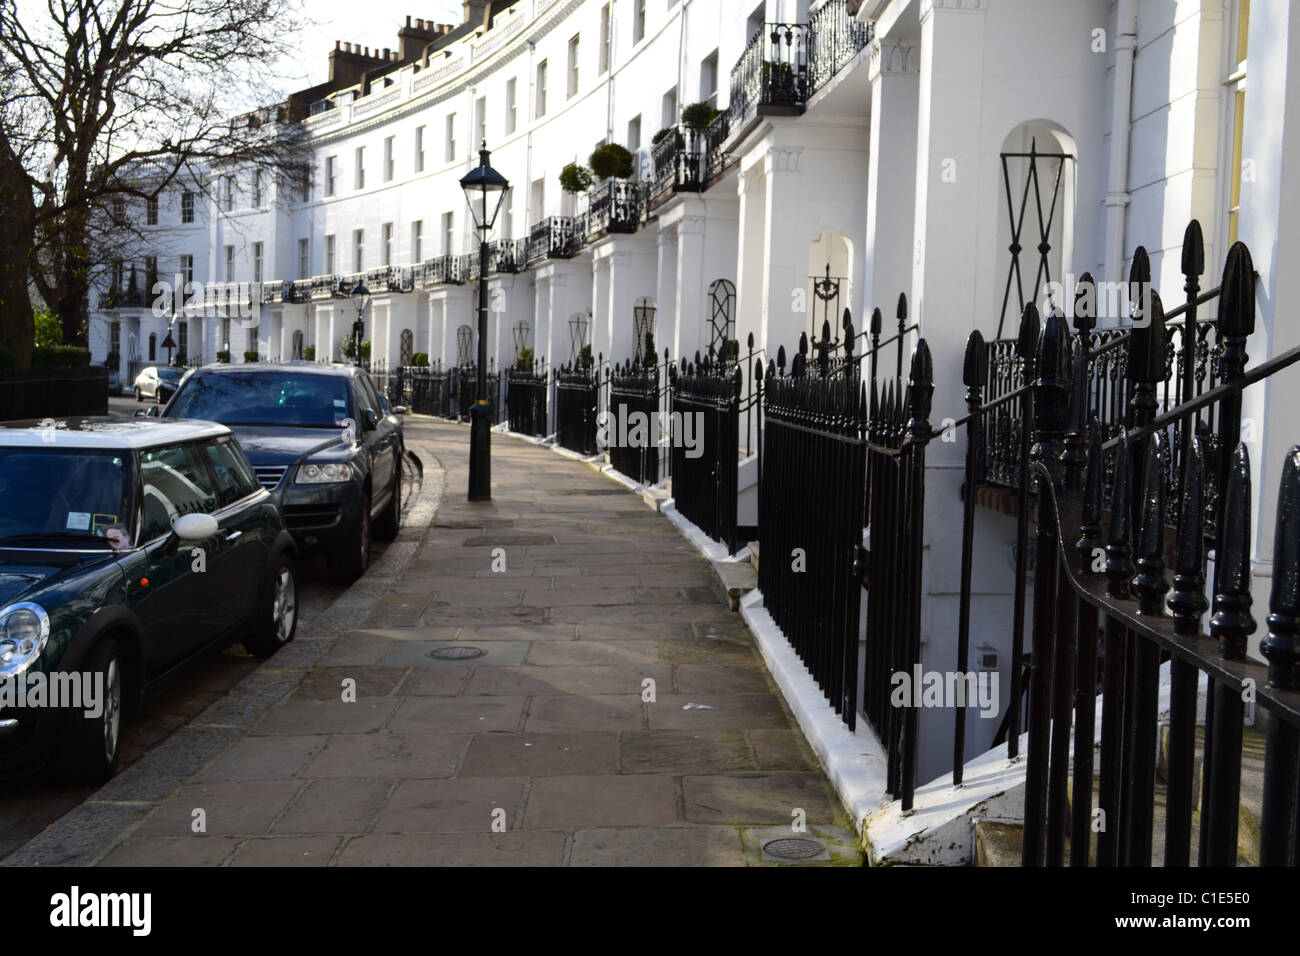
(270, 397)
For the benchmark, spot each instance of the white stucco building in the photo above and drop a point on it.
(882, 143)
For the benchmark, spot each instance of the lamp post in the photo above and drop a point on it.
(486, 187)
(360, 298)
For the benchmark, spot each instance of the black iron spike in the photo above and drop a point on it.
(1119, 566)
(1188, 601)
(1231, 623)
(1193, 263)
(1149, 583)
(1051, 389)
(1237, 295)
(975, 363)
(1085, 315)
(1279, 647)
(920, 391)
(876, 321)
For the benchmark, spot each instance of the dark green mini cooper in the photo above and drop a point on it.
(126, 548)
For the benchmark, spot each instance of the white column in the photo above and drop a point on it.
(891, 175)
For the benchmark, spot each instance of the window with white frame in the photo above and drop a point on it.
(634, 133)
(187, 270)
(669, 117)
(510, 105)
(230, 264)
(417, 241)
(480, 122)
(451, 137)
(257, 262)
(331, 174)
(359, 181)
(539, 107)
(304, 258)
(187, 206)
(257, 188)
(329, 254)
(151, 211)
(709, 79)
(388, 243)
(638, 20)
(389, 166)
(419, 149)
(358, 250)
(508, 215)
(448, 232)
(572, 88)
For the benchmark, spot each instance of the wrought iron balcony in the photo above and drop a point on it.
(509, 255)
(128, 298)
(676, 160)
(834, 38)
(716, 158)
(300, 291)
(276, 292)
(323, 287)
(618, 206)
(771, 76)
(553, 238)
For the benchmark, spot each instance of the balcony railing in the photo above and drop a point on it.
(716, 157)
(300, 291)
(276, 292)
(834, 38)
(676, 160)
(553, 238)
(509, 255)
(618, 206)
(771, 76)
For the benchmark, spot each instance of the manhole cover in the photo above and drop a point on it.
(793, 848)
(456, 653)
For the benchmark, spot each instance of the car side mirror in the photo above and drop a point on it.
(195, 527)
(399, 409)
(371, 419)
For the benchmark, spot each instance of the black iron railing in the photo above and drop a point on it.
(53, 392)
(526, 390)
(554, 237)
(632, 422)
(676, 160)
(834, 38)
(616, 206)
(509, 255)
(577, 393)
(717, 159)
(771, 76)
(705, 444)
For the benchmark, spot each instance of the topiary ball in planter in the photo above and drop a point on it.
(698, 115)
(575, 178)
(612, 161)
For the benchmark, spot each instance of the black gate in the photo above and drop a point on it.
(576, 394)
(526, 400)
(706, 445)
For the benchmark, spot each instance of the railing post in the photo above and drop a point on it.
(920, 395)
(1026, 346)
(975, 372)
(901, 313)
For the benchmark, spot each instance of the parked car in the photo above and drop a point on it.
(322, 440)
(126, 549)
(158, 382)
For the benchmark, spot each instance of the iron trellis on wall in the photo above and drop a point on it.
(1044, 222)
(722, 315)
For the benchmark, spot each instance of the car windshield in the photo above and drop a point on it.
(270, 397)
(53, 493)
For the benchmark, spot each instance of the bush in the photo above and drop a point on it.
(309, 353)
(611, 161)
(61, 356)
(420, 360)
(575, 178)
(698, 115)
(584, 357)
(524, 360)
(223, 357)
(49, 330)
(348, 349)
(251, 355)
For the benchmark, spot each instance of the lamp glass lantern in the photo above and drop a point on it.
(484, 190)
(360, 296)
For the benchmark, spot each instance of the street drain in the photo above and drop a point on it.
(457, 653)
(793, 848)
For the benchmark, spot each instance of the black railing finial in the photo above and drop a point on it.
(975, 364)
(1188, 602)
(1119, 566)
(1085, 305)
(1051, 389)
(1237, 300)
(920, 392)
(1193, 264)
(1090, 518)
(1027, 340)
(1231, 622)
(1149, 583)
(1279, 648)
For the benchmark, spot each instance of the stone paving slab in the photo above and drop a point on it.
(621, 715)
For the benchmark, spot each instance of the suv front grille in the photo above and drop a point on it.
(270, 475)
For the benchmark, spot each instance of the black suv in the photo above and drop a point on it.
(323, 441)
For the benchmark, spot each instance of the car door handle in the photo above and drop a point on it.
(233, 535)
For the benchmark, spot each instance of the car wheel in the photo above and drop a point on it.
(278, 622)
(92, 746)
(389, 521)
(138, 396)
(350, 560)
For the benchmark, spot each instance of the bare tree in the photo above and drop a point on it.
(113, 100)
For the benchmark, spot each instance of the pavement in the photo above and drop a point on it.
(547, 679)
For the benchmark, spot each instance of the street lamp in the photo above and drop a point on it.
(484, 189)
(360, 299)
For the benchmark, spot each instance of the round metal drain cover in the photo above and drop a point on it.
(793, 848)
(457, 653)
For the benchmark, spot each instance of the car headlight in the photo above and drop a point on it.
(24, 631)
(315, 473)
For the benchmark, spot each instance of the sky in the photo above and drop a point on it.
(372, 23)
